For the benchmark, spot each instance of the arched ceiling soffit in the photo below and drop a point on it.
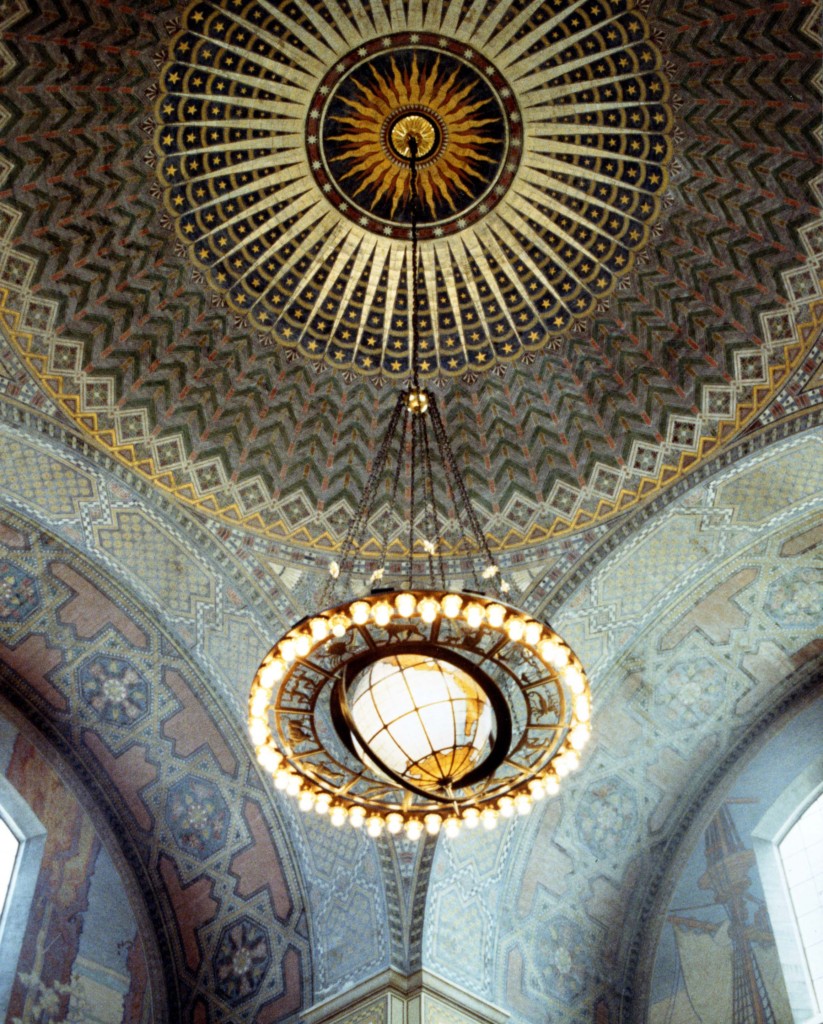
(173, 775)
(132, 332)
(716, 834)
(87, 898)
(540, 916)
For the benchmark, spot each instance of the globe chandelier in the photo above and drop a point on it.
(419, 707)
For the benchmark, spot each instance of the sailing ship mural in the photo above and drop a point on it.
(717, 954)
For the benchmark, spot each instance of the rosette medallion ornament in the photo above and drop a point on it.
(419, 707)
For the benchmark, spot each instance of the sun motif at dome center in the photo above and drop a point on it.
(280, 144)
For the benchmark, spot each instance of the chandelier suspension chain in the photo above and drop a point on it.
(450, 462)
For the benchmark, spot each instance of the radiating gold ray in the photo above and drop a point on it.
(462, 260)
(510, 214)
(434, 16)
(494, 45)
(287, 71)
(328, 230)
(350, 242)
(397, 257)
(505, 49)
(548, 73)
(324, 42)
(378, 261)
(448, 25)
(271, 175)
(415, 16)
(487, 25)
(561, 170)
(492, 227)
(469, 23)
(362, 255)
(447, 272)
(297, 202)
(365, 26)
(497, 225)
(475, 242)
(381, 22)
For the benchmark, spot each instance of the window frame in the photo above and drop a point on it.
(767, 835)
(14, 917)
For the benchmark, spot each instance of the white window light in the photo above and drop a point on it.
(22, 840)
(788, 843)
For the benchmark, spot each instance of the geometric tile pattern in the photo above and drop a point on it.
(114, 693)
(677, 682)
(126, 339)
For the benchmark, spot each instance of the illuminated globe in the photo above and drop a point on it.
(425, 720)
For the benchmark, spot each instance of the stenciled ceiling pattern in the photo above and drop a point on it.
(129, 330)
(282, 151)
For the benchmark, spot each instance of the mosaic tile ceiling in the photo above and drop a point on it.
(619, 262)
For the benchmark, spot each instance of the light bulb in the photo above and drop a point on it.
(572, 760)
(573, 678)
(522, 803)
(338, 816)
(433, 823)
(474, 614)
(414, 829)
(489, 819)
(258, 731)
(306, 801)
(287, 650)
(534, 631)
(394, 823)
(381, 613)
(282, 777)
(582, 708)
(357, 815)
(515, 627)
(272, 673)
(374, 826)
(360, 612)
(321, 804)
(339, 624)
(406, 605)
(319, 629)
(506, 806)
(452, 603)
(428, 609)
(537, 789)
(451, 826)
(471, 817)
(269, 758)
(495, 615)
(552, 785)
(302, 644)
(579, 736)
(553, 654)
(258, 703)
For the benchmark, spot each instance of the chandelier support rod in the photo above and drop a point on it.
(457, 478)
(413, 214)
(354, 534)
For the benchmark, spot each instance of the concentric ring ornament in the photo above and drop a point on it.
(551, 131)
(302, 739)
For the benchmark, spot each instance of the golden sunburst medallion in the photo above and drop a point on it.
(464, 120)
(545, 134)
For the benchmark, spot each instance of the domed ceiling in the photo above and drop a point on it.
(211, 277)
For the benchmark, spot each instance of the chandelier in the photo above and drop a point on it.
(419, 707)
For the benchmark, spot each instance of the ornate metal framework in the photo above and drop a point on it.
(300, 722)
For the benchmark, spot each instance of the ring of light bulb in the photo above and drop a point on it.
(290, 719)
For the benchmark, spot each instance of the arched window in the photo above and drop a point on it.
(22, 839)
(788, 842)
